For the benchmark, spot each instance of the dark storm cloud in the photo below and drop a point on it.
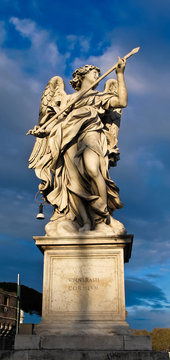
(153, 276)
(18, 211)
(21, 256)
(145, 293)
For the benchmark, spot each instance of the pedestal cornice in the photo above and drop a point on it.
(81, 240)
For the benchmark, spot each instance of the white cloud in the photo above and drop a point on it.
(136, 82)
(149, 251)
(20, 96)
(140, 318)
(20, 88)
(43, 47)
(141, 77)
(25, 27)
(154, 163)
(81, 41)
(104, 61)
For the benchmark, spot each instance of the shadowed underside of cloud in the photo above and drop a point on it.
(147, 305)
(140, 292)
(21, 256)
(18, 214)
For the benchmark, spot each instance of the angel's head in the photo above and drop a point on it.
(81, 73)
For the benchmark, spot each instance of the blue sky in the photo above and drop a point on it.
(40, 39)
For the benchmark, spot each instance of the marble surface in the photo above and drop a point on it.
(83, 284)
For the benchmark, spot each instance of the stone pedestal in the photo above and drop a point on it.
(83, 285)
(83, 300)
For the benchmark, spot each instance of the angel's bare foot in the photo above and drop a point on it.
(85, 227)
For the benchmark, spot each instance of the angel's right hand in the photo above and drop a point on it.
(37, 131)
(32, 131)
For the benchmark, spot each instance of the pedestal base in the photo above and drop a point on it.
(83, 343)
(82, 355)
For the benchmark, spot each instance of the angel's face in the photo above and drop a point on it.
(92, 76)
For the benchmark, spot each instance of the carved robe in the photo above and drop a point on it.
(64, 178)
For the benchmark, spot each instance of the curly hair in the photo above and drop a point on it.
(79, 75)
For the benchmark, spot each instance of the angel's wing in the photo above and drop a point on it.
(41, 158)
(112, 124)
(41, 161)
(53, 96)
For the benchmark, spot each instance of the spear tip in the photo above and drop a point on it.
(136, 50)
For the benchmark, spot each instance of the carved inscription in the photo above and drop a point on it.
(111, 356)
(83, 283)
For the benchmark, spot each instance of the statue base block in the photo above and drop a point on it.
(83, 285)
(82, 343)
(83, 299)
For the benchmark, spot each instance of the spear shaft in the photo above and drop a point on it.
(134, 51)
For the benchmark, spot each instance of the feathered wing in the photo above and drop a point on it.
(111, 122)
(41, 158)
(53, 97)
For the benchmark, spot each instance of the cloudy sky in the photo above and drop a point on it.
(40, 39)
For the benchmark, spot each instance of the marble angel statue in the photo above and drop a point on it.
(73, 151)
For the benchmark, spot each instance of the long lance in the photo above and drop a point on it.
(69, 105)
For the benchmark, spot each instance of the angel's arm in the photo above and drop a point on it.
(121, 100)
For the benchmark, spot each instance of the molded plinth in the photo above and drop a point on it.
(84, 299)
(83, 284)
